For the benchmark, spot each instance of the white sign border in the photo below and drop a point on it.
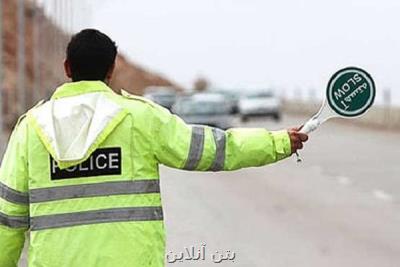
(354, 113)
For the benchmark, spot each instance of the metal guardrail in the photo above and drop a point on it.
(382, 117)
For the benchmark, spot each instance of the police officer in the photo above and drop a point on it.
(81, 170)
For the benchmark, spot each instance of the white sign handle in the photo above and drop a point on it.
(325, 113)
(311, 125)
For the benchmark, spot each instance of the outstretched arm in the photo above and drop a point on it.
(204, 148)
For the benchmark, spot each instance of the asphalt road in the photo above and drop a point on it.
(339, 207)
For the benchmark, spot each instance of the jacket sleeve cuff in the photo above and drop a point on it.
(282, 144)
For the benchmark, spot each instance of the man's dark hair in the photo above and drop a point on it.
(90, 53)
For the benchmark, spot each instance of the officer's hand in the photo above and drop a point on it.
(297, 139)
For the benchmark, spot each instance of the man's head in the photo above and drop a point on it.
(90, 56)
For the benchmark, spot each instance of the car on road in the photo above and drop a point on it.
(260, 103)
(206, 109)
(231, 96)
(164, 96)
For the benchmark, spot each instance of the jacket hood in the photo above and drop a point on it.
(71, 127)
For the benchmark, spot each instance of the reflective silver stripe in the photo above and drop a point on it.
(14, 221)
(196, 148)
(96, 217)
(12, 195)
(219, 138)
(94, 190)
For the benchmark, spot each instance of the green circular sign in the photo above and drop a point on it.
(351, 92)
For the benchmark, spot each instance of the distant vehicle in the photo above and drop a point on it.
(260, 104)
(206, 109)
(231, 96)
(164, 96)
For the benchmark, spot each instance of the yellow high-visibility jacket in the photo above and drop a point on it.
(81, 174)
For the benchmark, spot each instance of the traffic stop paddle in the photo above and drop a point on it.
(349, 94)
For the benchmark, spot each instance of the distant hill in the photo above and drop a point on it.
(51, 43)
(133, 78)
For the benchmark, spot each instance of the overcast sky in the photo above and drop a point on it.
(257, 43)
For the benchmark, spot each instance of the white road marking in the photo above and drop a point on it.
(343, 180)
(317, 169)
(382, 195)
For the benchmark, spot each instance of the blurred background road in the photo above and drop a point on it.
(339, 207)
